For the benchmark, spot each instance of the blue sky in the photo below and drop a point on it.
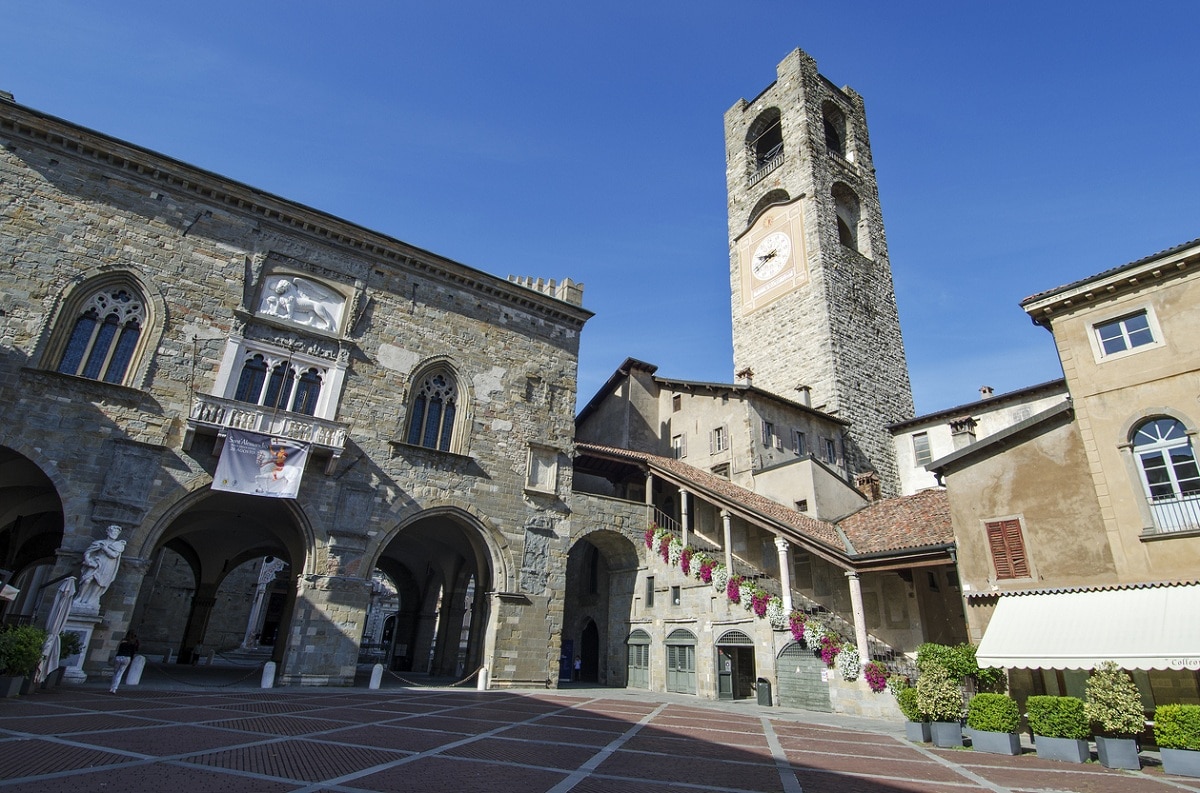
(1018, 145)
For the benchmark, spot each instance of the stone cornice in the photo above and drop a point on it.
(18, 122)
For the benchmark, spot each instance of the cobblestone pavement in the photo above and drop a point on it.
(190, 739)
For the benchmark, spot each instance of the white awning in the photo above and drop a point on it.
(1148, 627)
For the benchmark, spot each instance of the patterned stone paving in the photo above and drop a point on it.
(78, 740)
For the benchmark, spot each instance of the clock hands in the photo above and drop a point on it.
(766, 257)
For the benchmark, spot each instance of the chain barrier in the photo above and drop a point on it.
(469, 677)
(158, 668)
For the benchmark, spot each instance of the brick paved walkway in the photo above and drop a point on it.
(453, 741)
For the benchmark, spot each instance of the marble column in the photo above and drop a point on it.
(727, 524)
(860, 620)
(784, 548)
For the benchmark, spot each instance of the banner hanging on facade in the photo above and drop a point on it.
(260, 465)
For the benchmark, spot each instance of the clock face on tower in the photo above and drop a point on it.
(771, 255)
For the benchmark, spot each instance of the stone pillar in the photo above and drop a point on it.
(326, 624)
(424, 638)
(860, 620)
(649, 489)
(727, 524)
(203, 601)
(683, 515)
(784, 548)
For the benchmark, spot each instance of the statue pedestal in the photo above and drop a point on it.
(82, 625)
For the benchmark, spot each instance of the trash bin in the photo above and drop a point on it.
(764, 691)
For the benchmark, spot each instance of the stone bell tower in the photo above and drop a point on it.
(813, 302)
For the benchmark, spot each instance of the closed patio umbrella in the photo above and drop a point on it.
(54, 626)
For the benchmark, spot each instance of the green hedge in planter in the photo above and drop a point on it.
(1113, 701)
(938, 694)
(21, 650)
(993, 713)
(1057, 717)
(906, 699)
(959, 661)
(1177, 726)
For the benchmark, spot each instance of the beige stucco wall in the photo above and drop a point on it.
(1044, 481)
(1113, 395)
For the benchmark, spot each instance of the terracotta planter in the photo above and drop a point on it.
(946, 734)
(917, 731)
(996, 742)
(1118, 752)
(1068, 750)
(1181, 762)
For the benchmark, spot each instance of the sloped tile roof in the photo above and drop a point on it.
(898, 524)
(921, 520)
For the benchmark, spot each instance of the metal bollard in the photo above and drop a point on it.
(134, 676)
(268, 675)
(376, 675)
(481, 683)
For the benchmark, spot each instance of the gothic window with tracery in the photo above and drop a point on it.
(279, 383)
(104, 336)
(433, 410)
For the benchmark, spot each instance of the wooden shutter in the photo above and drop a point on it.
(1008, 549)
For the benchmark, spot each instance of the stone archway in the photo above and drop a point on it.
(210, 540)
(601, 578)
(31, 530)
(442, 569)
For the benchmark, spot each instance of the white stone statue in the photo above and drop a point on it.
(302, 302)
(100, 563)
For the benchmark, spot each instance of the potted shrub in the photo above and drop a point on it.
(20, 653)
(1060, 728)
(940, 698)
(1177, 730)
(1115, 706)
(916, 725)
(994, 720)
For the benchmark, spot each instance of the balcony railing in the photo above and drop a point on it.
(1172, 514)
(219, 414)
(772, 161)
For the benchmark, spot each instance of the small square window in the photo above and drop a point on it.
(1125, 333)
(676, 403)
(721, 470)
(922, 455)
(675, 596)
(802, 505)
(649, 591)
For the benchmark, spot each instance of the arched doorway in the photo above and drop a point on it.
(601, 577)
(638, 664)
(441, 567)
(199, 594)
(798, 672)
(735, 665)
(681, 661)
(31, 530)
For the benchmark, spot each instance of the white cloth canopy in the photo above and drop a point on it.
(1139, 627)
(52, 648)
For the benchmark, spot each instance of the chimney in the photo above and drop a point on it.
(746, 375)
(985, 391)
(805, 395)
(868, 483)
(962, 431)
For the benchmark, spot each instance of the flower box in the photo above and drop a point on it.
(1070, 750)
(946, 734)
(1181, 762)
(917, 731)
(996, 742)
(1118, 752)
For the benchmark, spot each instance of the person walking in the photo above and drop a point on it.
(125, 652)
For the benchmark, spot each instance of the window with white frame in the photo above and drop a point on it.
(1167, 462)
(105, 330)
(1124, 333)
(718, 440)
(922, 455)
(263, 374)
